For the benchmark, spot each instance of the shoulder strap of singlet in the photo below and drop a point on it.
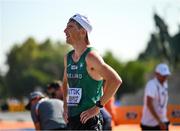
(87, 51)
(69, 55)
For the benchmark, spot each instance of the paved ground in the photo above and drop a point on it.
(136, 127)
(15, 116)
(16, 125)
(28, 126)
(21, 121)
(16, 120)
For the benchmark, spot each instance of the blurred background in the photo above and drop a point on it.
(132, 36)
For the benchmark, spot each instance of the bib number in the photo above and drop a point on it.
(74, 96)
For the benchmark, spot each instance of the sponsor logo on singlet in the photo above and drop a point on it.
(74, 96)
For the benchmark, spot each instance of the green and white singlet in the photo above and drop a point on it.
(83, 90)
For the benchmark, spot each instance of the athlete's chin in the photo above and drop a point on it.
(68, 42)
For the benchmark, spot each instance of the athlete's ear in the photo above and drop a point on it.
(83, 31)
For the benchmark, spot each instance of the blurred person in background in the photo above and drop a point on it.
(55, 90)
(108, 112)
(110, 107)
(4, 105)
(106, 119)
(47, 114)
(154, 116)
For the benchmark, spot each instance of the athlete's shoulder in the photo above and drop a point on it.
(94, 58)
(93, 53)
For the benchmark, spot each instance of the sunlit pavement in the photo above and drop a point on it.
(136, 127)
(16, 120)
(28, 126)
(17, 125)
(21, 121)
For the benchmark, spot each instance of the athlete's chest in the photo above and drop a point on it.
(76, 70)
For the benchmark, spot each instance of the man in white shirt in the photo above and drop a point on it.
(154, 116)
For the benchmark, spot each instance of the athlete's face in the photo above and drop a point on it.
(72, 32)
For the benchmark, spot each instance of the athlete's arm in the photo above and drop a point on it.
(113, 82)
(153, 112)
(65, 91)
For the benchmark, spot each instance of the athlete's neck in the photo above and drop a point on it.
(79, 50)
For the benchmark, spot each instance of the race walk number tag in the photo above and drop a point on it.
(74, 96)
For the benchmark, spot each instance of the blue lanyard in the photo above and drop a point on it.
(161, 104)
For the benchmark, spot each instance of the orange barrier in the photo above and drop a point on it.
(174, 113)
(13, 107)
(133, 114)
(128, 114)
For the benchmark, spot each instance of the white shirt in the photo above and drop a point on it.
(159, 93)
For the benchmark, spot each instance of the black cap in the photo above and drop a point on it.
(55, 85)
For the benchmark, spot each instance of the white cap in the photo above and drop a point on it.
(163, 69)
(36, 94)
(33, 95)
(83, 21)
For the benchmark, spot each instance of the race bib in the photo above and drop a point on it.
(74, 96)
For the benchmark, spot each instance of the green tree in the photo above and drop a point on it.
(33, 64)
(176, 48)
(116, 65)
(133, 74)
(3, 89)
(162, 46)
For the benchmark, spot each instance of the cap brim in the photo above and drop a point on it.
(165, 74)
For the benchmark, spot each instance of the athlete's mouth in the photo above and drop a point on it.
(67, 36)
